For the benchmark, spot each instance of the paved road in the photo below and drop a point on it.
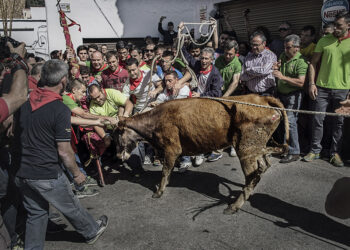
(287, 210)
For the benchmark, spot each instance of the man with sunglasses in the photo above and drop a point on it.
(277, 45)
(290, 72)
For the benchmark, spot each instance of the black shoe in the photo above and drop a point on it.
(289, 158)
(103, 223)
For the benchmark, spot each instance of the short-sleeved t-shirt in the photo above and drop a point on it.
(114, 80)
(110, 108)
(36, 136)
(335, 64)
(295, 67)
(69, 102)
(228, 70)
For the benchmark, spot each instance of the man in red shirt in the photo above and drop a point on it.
(115, 76)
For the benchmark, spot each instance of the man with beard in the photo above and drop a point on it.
(331, 87)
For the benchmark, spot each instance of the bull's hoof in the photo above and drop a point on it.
(229, 210)
(157, 195)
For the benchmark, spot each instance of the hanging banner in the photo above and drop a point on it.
(331, 8)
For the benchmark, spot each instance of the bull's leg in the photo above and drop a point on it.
(253, 167)
(168, 166)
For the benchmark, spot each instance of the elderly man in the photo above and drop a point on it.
(291, 73)
(168, 35)
(331, 87)
(97, 64)
(42, 142)
(257, 67)
(115, 76)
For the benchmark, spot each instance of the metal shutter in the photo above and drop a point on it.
(270, 13)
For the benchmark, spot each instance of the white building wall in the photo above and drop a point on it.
(104, 19)
(141, 17)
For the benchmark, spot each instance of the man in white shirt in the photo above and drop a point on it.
(137, 86)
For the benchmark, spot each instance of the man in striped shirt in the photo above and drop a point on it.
(257, 67)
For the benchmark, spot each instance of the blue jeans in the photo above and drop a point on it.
(328, 98)
(37, 194)
(137, 157)
(292, 101)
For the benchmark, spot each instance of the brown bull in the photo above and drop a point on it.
(197, 125)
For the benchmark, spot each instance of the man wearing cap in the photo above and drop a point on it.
(169, 34)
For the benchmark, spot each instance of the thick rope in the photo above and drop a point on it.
(180, 42)
(309, 112)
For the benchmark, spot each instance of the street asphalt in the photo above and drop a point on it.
(286, 211)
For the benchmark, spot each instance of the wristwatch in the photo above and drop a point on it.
(18, 63)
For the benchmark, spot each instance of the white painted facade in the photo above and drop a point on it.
(105, 19)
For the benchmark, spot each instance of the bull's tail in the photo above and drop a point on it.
(276, 103)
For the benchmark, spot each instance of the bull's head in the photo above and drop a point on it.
(126, 139)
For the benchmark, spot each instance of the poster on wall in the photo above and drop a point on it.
(331, 8)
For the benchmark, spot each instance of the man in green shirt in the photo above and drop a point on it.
(332, 85)
(290, 71)
(230, 68)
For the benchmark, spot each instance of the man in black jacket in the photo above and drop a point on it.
(169, 34)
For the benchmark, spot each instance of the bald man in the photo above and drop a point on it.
(97, 63)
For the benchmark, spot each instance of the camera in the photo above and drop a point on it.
(4, 50)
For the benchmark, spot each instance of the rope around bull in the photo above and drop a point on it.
(309, 112)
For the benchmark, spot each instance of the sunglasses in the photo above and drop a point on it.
(149, 50)
(282, 29)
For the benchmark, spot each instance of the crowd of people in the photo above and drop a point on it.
(76, 97)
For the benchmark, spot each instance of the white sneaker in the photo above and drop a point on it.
(199, 159)
(184, 166)
(147, 160)
(233, 152)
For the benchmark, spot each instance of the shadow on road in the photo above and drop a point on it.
(312, 222)
(204, 183)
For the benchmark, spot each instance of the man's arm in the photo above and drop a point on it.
(90, 122)
(312, 74)
(264, 69)
(160, 28)
(87, 115)
(66, 154)
(127, 109)
(298, 82)
(233, 85)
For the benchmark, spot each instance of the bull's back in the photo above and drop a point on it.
(208, 124)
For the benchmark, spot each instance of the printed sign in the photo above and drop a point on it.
(65, 7)
(331, 8)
